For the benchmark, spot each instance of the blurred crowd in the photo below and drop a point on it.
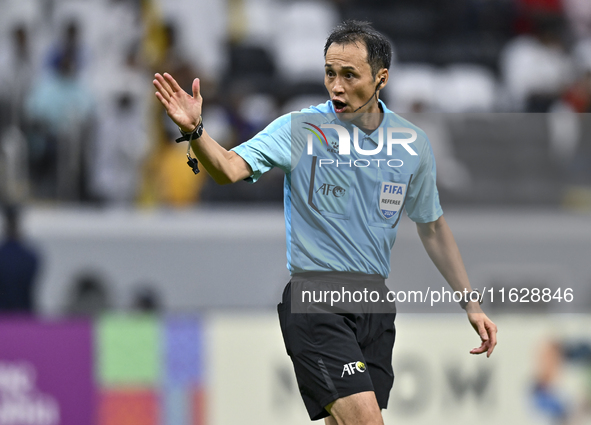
(79, 122)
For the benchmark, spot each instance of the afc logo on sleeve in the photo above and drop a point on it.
(391, 198)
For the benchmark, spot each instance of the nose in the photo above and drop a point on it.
(337, 87)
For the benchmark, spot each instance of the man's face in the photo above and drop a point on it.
(348, 78)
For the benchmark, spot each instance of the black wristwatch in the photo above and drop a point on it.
(195, 134)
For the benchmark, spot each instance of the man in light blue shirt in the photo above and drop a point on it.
(351, 167)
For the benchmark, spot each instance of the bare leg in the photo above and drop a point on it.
(330, 421)
(356, 409)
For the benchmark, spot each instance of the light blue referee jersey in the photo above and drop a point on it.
(345, 190)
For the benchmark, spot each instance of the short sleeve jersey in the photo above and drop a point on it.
(342, 211)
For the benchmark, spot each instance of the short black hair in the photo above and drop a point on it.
(379, 49)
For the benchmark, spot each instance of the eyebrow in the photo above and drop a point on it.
(346, 68)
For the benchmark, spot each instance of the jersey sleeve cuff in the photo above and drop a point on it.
(428, 218)
(245, 155)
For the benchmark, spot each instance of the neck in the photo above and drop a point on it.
(370, 119)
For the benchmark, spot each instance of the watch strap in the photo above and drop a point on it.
(195, 134)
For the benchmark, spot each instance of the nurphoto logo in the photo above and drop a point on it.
(344, 144)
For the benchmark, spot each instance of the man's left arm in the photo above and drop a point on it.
(441, 246)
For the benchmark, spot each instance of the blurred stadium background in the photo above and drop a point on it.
(153, 302)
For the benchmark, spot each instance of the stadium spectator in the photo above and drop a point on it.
(19, 265)
(578, 95)
(122, 144)
(582, 55)
(121, 28)
(122, 139)
(146, 299)
(89, 296)
(61, 109)
(537, 68)
(70, 45)
(115, 41)
(16, 73)
(578, 13)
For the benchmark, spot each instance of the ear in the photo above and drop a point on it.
(382, 79)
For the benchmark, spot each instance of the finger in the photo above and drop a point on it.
(159, 83)
(164, 84)
(492, 331)
(479, 350)
(486, 347)
(162, 100)
(195, 88)
(172, 82)
(482, 331)
(489, 349)
(161, 90)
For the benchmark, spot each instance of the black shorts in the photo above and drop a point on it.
(337, 354)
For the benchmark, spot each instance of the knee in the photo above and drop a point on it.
(357, 409)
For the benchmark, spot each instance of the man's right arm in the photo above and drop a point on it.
(222, 165)
(185, 110)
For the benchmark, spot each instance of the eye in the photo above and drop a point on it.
(329, 73)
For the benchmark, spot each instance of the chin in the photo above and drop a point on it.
(347, 116)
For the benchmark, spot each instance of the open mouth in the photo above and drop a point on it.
(339, 106)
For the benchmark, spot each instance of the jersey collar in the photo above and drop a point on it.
(374, 136)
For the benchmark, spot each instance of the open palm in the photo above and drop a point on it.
(181, 107)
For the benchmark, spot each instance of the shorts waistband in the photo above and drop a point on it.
(340, 277)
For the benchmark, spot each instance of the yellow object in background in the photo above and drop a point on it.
(176, 184)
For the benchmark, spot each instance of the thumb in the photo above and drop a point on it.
(195, 88)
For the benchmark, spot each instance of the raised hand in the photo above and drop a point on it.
(182, 108)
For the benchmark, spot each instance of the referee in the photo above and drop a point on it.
(341, 220)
